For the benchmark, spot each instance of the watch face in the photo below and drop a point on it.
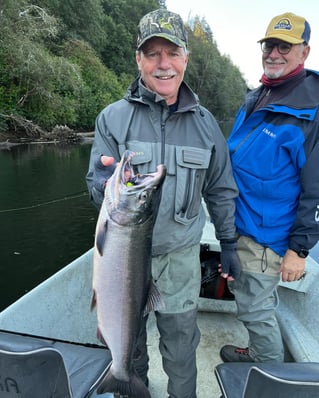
(303, 253)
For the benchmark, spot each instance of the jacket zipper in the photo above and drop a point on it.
(246, 138)
(163, 124)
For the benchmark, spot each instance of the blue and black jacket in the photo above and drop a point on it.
(275, 157)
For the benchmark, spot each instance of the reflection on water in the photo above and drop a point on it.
(46, 219)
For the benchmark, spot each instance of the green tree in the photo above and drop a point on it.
(99, 86)
(62, 61)
(79, 20)
(22, 53)
(121, 30)
(219, 84)
(66, 87)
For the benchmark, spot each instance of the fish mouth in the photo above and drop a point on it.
(125, 182)
(132, 197)
(150, 180)
(131, 181)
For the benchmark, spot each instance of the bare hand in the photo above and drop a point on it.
(292, 267)
(107, 160)
(223, 275)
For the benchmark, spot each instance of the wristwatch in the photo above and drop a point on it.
(303, 253)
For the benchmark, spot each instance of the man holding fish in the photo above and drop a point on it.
(160, 128)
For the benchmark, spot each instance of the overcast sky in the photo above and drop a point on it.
(237, 25)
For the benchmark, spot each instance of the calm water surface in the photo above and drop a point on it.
(46, 219)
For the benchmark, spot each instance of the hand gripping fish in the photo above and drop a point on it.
(123, 290)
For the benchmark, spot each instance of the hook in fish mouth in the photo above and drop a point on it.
(150, 180)
(133, 180)
(130, 179)
(127, 175)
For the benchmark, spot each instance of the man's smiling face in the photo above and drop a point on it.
(162, 65)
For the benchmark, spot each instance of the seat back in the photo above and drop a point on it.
(268, 380)
(39, 373)
(83, 364)
(263, 384)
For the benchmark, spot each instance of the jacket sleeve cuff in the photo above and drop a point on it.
(295, 246)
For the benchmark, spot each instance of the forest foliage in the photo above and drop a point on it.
(61, 61)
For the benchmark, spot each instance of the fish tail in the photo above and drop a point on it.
(134, 388)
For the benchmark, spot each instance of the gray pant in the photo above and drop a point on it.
(178, 277)
(257, 299)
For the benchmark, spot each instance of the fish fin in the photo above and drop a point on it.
(154, 300)
(93, 301)
(134, 388)
(100, 238)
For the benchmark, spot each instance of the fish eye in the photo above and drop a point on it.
(143, 195)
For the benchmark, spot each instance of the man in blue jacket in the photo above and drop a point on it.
(274, 148)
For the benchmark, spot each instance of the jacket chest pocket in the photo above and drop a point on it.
(192, 164)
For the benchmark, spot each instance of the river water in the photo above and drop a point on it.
(46, 219)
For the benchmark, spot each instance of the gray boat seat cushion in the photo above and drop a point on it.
(264, 380)
(35, 367)
(37, 373)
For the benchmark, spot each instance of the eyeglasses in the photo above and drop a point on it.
(282, 47)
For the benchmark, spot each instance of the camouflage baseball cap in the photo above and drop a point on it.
(162, 23)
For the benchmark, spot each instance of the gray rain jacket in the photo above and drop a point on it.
(190, 144)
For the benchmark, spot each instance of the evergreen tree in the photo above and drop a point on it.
(62, 61)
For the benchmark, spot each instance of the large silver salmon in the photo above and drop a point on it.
(123, 290)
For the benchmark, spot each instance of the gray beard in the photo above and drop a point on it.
(273, 75)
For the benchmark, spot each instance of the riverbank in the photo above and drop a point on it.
(9, 139)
